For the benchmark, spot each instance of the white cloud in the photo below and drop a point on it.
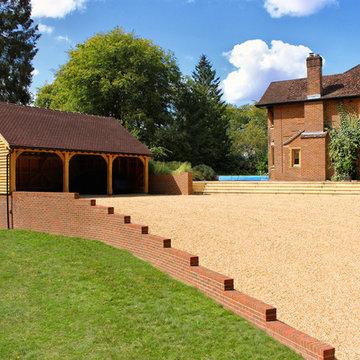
(258, 65)
(35, 72)
(279, 8)
(55, 8)
(45, 29)
(64, 38)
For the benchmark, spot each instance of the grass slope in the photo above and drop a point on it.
(69, 298)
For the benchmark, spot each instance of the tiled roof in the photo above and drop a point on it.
(334, 86)
(25, 126)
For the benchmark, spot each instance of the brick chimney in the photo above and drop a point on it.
(314, 76)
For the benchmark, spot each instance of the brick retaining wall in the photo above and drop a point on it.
(66, 214)
(171, 184)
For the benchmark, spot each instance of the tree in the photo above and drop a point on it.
(120, 75)
(344, 144)
(249, 136)
(17, 50)
(201, 121)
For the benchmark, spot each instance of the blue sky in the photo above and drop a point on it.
(249, 42)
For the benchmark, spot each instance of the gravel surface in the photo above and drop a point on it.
(298, 253)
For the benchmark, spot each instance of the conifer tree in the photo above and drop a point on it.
(17, 50)
(202, 119)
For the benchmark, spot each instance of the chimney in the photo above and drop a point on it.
(314, 76)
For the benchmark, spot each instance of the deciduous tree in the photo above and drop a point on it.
(121, 75)
(249, 136)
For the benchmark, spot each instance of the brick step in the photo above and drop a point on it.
(279, 192)
(312, 185)
(278, 187)
(281, 187)
(324, 188)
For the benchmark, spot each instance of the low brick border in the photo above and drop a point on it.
(171, 184)
(66, 214)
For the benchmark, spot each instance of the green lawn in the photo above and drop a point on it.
(69, 298)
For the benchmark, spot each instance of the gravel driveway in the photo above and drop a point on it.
(298, 253)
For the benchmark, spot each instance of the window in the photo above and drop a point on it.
(272, 155)
(295, 158)
(271, 117)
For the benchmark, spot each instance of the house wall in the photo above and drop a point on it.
(288, 122)
(331, 113)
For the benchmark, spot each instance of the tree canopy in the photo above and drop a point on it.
(17, 50)
(117, 74)
(201, 122)
(180, 118)
(248, 134)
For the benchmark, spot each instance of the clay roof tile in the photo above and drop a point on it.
(334, 86)
(25, 126)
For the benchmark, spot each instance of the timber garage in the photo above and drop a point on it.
(50, 150)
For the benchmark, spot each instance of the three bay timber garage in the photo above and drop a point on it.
(50, 150)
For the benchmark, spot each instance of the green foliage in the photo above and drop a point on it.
(71, 298)
(262, 164)
(345, 144)
(249, 137)
(120, 75)
(203, 172)
(160, 152)
(200, 172)
(184, 167)
(159, 168)
(198, 133)
(17, 50)
(168, 168)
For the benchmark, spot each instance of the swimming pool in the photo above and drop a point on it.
(243, 178)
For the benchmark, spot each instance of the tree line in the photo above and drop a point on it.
(118, 74)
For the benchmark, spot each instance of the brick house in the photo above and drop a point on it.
(49, 150)
(298, 113)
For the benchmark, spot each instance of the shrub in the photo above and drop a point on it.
(344, 144)
(184, 167)
(159, 168)
(200, 172)
(168, 168)
(203, 172)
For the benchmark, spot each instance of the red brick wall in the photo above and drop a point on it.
(66, 214)
(171, 184)
(331, 114)
(311, 116)
(288, 121)
(314, 116)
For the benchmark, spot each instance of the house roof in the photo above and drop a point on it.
(31, 127)
(342, 85)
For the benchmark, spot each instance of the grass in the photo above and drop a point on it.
(70, 298)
